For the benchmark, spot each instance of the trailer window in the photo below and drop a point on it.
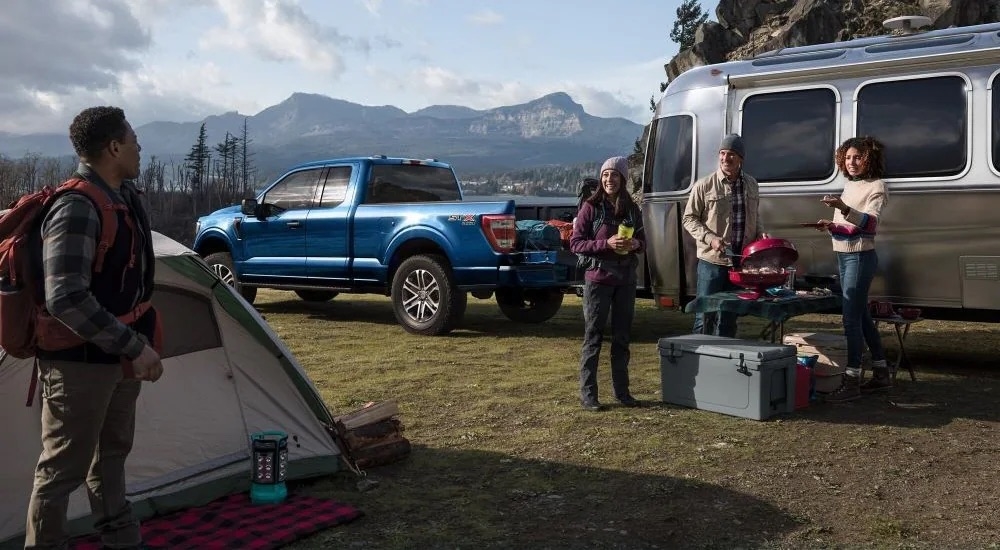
(923, 124)
(790, 136)
(669, 167)
(995, 121)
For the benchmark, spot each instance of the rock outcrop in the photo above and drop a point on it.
(749, 27)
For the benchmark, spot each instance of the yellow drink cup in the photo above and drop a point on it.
(625, 232)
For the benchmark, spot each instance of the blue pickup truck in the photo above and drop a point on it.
(393, 226)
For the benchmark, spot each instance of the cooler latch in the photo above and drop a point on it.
(743, 367)
(674, 354)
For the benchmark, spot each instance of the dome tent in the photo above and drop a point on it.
(226, 375)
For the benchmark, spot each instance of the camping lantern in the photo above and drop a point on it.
(269, 464)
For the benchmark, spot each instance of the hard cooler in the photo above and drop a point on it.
(749, 379)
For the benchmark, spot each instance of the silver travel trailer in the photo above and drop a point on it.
(932, 98)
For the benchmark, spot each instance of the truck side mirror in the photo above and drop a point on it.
(249, 207)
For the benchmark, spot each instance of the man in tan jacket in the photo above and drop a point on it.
(722, 215)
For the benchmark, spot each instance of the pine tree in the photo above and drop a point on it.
(690, 16)
(245, 160)
(196, 162)
(227, 151)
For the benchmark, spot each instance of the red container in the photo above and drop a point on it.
(803, 375)
(909, 313)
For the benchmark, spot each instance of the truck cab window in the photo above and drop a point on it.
(393, 183)
(922, 122)
(790, 136)
(296, 191)
(335, 189)
(670, 166)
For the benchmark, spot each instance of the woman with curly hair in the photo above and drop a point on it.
(855, 220)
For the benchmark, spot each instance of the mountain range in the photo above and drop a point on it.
(550, 130)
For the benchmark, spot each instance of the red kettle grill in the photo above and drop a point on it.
(773, 257)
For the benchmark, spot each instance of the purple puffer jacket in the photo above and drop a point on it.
(615, 269)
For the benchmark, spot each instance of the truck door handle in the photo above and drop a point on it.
(293, 224)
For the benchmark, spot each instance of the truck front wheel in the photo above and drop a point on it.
(424, 297)
(222, 264)
(533, 305)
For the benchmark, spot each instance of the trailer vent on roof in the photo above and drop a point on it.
(798, 58)
(920, 44)
(907, 24)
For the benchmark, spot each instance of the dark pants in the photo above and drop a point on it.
(714, 278)
(88, 424)
(598, 302)
(857, 270)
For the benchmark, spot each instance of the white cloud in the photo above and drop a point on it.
(152, 10)
(47, 58)
(373, 6)
(438, 81)
(279, 30)
(486, 17)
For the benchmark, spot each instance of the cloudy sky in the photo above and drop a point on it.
(181, 60)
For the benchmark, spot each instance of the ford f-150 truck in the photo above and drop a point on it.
(393, 226)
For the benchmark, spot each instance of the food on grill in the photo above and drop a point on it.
(764, 265)
(762, 270)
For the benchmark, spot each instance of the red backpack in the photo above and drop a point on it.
(24, 324)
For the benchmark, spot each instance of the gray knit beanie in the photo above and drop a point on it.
(618, 164)
(734, 143)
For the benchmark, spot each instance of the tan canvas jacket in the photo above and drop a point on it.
(708, 212)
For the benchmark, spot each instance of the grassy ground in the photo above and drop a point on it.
(505, 457)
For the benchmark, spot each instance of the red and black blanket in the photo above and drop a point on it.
(233, 522)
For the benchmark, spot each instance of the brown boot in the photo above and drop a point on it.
(848, 391)
(881, 379)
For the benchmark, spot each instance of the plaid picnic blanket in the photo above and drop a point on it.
(233, 522)
(776, 310)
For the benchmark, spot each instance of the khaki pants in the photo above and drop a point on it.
(88, 423)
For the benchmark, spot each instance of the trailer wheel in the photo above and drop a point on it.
(222, 265)
(316, 295)
(529, 305)
(425, 298)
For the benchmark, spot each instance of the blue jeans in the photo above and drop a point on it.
(711, 279)
(600, 302)
(857, 270)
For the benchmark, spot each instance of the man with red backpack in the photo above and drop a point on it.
(98, 286)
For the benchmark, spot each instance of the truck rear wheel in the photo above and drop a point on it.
(425, 298)
(533, 305)
(316, 295)
(222, 265)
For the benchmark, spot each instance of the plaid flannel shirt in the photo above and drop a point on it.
(739, 218)
(70, 232)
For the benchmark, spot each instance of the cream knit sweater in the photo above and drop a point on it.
(856, 231)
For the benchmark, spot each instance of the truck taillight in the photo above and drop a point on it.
(500, 230)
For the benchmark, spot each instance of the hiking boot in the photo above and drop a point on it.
(592, 405)
(848, 391)
(629, 401)
(880, 380)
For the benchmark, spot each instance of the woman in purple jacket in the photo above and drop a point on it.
(610, 280)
